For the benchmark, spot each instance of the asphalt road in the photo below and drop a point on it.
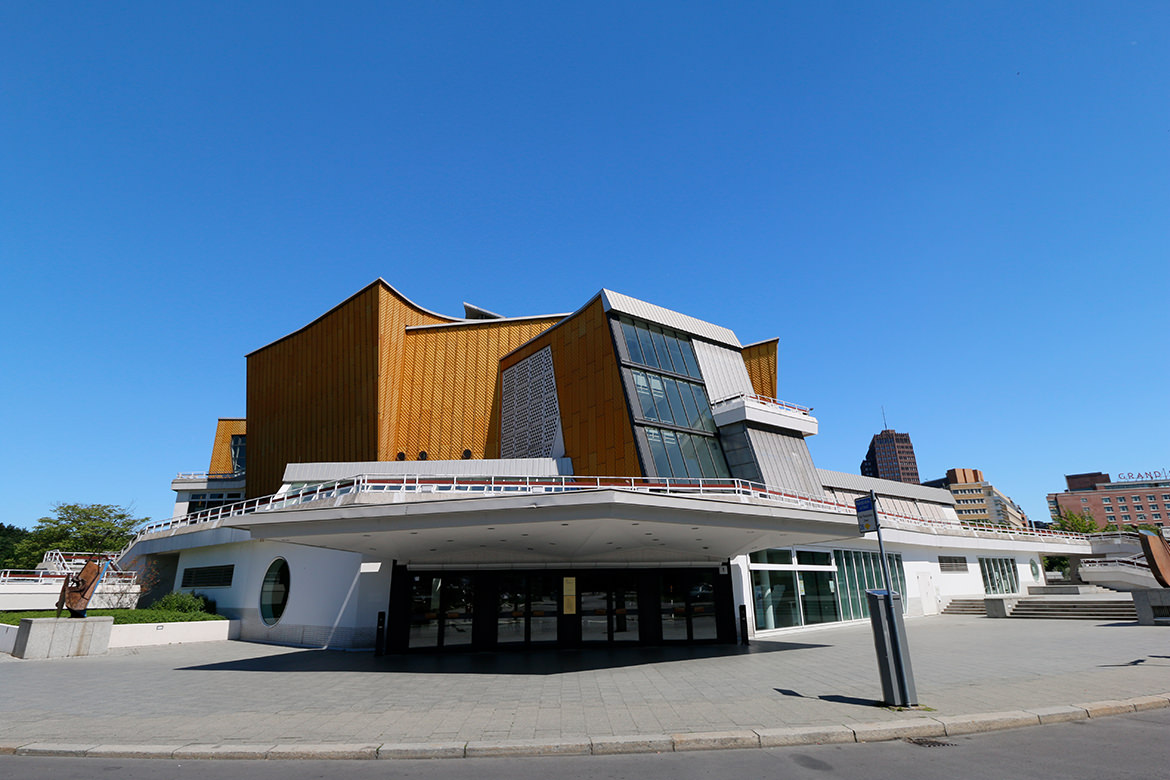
(1117, 747)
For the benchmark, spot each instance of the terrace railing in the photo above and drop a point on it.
(487, 486)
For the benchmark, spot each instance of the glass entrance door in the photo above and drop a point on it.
(609, 608)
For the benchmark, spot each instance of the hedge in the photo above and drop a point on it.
(121, 616)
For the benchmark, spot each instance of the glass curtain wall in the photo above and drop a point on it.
(859, 571)
(999, 575)
(805, 587)
(670, 402)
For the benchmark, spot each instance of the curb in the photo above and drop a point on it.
(881, 731)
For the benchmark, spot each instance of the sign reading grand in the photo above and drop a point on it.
(1124, 476)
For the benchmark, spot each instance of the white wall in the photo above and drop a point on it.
(331, 602)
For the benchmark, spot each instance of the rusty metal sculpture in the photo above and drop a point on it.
(1157, 553)
(78, 588)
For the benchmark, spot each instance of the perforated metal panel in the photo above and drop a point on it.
(530, 417)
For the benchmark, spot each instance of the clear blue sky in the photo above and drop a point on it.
(958, 211)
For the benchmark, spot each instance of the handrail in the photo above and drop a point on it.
(763, 399)
(1101, 563)
(208, 475)
(470, 486)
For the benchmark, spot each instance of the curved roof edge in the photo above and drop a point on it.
(474, 322)
(375, 283)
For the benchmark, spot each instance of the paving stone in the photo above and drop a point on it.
(897, 729)
(133, 751)
(325, 751)
(716, 740)
(451, 749)
(236, 751)
(644, 743)
(1101, 709)
(1059, 713)
(54, 749)
(987, 721)
(529, 747)
(805, 735)
(1148, 702)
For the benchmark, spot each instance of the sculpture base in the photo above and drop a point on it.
(62, 637)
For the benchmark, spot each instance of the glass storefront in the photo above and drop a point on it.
(805, 587)
(999, 575)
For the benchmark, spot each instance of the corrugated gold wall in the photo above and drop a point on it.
(221, 448)
(448, 387)
(594, 418)
(312, 396)
(762, 365)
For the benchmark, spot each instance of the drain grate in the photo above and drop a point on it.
(924, 742)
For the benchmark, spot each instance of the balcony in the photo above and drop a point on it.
(761, 411)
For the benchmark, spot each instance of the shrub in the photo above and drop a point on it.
(178, 601)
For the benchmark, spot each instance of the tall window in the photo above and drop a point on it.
(669, 402)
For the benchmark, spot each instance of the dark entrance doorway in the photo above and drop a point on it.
(516, 609)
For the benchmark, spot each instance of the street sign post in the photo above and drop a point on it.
(888, 628)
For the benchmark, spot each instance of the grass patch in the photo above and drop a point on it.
(121, 616)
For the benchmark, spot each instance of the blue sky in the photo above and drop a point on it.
(960, 212)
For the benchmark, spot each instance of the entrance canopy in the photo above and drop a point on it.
(608, 527)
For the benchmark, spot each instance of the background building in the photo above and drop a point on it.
(978, 501)
(891, 456)
(1145, 500)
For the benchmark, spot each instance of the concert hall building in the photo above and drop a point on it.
(623, 473)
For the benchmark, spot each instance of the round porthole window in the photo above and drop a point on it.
(1035, 570)
(274, 592)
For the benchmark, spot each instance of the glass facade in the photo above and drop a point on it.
(806, 587)
(999, 575)
(669, 402)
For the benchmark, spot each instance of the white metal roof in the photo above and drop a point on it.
(884, 487)
(671, 319)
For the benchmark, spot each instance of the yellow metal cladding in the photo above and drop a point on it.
(395, 314)
(312, 395)
(221, 449)
(763, 366)
(594, 418)
(447, 390)
(355, 385)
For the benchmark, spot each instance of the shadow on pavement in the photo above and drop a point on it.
(532, 662)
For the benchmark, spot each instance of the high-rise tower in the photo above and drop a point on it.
(891, 456)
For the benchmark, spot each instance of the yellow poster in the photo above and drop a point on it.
(569, 590)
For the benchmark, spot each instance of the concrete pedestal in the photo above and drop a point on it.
(1153, 606)
(62, 637)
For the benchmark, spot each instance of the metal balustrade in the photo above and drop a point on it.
(766, 401)
(487, 486)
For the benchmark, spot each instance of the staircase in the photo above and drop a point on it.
(965, 607)
(1084, 608)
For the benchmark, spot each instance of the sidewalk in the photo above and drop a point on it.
(247, 699)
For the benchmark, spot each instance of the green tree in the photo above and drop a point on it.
(1076, 522)
(9, 536)
(77, 528)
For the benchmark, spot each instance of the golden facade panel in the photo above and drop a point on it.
(447, 393)
(762, 365)
(221, 449)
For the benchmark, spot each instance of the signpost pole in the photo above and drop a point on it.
(867, 520)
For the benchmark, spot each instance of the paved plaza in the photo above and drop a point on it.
(240, 693)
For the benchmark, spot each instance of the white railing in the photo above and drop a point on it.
(766, 401)
(477, 486)
(208, 475)
(1132, 562)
